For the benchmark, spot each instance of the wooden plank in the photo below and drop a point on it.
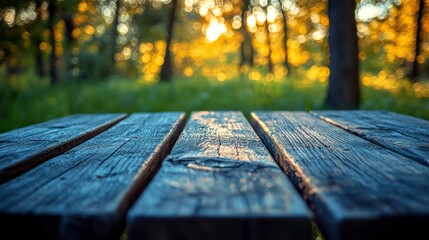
(402, 134)
(220, 182)
(357, 189)
(85, 193)
(25, 148)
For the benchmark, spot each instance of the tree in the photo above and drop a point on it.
(343, 86)
(167, 67)
(415, 71)
(69, 27)
(66, 12)
(246, 48)
(52, 8)
(285, 32)
(114, 35)
(267, 24)
(37, 38)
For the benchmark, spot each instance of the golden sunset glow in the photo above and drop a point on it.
(290, 35)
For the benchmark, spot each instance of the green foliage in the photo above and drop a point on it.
(36, 104)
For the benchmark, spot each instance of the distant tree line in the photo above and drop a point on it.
(77, 39)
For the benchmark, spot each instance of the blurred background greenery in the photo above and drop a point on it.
(63, 57)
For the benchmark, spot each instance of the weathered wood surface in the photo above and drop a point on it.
(402, 134)
(25, 148)
(357, 189)
(220, 182)
(85, 192)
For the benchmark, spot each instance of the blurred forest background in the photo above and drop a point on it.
(62, 57)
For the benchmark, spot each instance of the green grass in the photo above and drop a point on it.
(35, 104)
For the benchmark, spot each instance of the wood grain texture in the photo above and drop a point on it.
(358, 190)
(220, 182)
(402, 134)
(85, 193)
(25, 148)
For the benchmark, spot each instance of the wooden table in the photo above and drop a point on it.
(356, 174)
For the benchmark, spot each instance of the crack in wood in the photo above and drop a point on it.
(217, 163)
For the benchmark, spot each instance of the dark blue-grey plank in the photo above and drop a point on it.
(25, 148)
(85, 192)
(357, 189)
(402, 134)
(220, 182)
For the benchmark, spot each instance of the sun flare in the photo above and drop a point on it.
(215, 30)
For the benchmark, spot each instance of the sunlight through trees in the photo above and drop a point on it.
(216, 39)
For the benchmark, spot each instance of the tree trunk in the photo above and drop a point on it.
(114, 45)
(246, 48)
(343, 86)
(415, 70)
(270, 62)
(285, 31)
(68, 20)
(167, 67)
(40, 64)
(53, 59)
